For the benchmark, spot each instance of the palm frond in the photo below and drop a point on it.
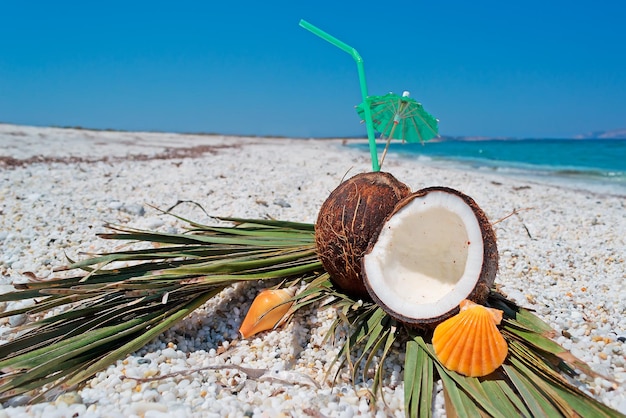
(531, 382)
(125, 299)
(120, 301)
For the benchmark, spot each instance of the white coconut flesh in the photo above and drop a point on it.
(428, 256)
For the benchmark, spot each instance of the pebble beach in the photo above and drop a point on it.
(562, 254)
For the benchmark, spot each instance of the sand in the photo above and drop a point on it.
(563, 254)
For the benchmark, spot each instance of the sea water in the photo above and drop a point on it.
(595, 164)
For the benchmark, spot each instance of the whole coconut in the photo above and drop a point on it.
(353, 212)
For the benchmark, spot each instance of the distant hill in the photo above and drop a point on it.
(612, 134)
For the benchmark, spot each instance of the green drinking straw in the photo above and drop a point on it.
(361, 69)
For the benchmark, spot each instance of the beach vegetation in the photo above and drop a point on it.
(113, 304)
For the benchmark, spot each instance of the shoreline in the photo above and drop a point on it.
(582, 183)
(609, 180)
(562, 254)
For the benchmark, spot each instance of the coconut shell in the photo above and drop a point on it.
(487, 274)
(348, 218)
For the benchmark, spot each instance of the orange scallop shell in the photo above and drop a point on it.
(266, 311)
(470, 343)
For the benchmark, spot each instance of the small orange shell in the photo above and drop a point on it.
(470, 343)
(267, 309)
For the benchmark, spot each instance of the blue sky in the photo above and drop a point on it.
(486, 68)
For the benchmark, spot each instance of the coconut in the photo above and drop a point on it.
(434, 250)
(348, 219)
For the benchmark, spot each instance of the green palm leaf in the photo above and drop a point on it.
(419, 379)
(530, 383)
(117, 310)
(122, 300)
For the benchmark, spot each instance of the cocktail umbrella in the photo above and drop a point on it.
(399, 117)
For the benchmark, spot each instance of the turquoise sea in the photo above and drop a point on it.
(594, 164)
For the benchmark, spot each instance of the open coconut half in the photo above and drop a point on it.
(435, 249)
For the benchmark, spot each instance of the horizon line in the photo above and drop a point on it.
(440, 138)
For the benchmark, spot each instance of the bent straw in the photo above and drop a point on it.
(361, 70)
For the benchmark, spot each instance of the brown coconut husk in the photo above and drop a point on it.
(348, 219)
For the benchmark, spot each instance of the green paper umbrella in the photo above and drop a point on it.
(399, 117)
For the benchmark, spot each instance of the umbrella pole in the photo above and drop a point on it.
(369, 123)
(389, 138)
(382, 158)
